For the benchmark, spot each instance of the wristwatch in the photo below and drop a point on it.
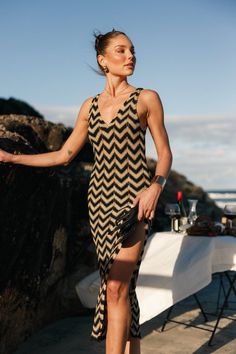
(159, 180)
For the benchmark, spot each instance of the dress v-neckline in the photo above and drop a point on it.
(121, 109)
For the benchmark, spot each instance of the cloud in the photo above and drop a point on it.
(203, 148)
(59, 114)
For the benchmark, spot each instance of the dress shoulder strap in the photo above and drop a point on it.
(92, 102)
(137, 92)
(139, 89)
(136, 95)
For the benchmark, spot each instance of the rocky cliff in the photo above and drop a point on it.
(46, 245)
(16, 106)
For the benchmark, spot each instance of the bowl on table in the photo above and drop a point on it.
(204, 226)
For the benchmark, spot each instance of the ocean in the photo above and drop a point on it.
(222, 197)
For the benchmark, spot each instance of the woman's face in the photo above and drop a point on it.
(119, 53)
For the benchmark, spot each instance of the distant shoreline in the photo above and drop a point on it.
(222, 197)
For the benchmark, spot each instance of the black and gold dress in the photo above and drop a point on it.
(119, 172)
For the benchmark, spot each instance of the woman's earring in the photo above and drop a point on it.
(105, 68)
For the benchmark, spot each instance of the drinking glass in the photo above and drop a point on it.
(230, 213)
(173, 210)
(192, 216)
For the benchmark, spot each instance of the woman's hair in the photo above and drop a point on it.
(102, 42)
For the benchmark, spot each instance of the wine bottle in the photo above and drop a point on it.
(183, 215)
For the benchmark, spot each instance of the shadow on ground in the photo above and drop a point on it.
(72, 335)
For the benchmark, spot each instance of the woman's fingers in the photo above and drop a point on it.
(4, 156)
(150, 215)
(140, 212)
(147, 205)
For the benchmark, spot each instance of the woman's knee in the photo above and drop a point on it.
(116, 291)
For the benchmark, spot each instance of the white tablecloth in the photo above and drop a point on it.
(174, 266)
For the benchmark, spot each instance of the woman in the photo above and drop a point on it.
(115, 122)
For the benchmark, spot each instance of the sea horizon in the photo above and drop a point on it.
(222, 196)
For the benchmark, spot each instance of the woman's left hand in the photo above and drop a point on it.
(147, 200)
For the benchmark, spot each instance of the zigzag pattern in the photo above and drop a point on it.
(119, 172)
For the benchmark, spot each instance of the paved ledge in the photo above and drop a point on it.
(71, 335)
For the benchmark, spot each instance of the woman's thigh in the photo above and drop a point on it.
(124, 264)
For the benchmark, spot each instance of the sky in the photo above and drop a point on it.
(185, 50)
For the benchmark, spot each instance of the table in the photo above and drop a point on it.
(174, 266)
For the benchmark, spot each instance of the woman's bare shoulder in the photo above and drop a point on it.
(84, 109)
(87, 102)
(149, 94)
(150, 98)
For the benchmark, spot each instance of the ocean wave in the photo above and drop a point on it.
(223, 197)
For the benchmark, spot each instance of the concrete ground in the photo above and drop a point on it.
(72, 335)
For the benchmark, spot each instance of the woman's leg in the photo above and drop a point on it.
(118, 303)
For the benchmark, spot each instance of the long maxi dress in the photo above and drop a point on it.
(119, 172)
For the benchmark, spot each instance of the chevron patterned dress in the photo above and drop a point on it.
(119, 172)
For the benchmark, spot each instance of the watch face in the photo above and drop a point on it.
(159, 180)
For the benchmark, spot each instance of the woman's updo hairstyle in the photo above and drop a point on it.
(101, 43)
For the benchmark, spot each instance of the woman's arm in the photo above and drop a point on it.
(155, 119)
(68, 151)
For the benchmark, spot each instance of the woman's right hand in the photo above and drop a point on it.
(5, 156)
